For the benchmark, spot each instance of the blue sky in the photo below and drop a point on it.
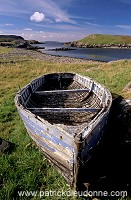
(64, 20)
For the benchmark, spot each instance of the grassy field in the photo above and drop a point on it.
(25, 168)
(106, 39)
(5, 50)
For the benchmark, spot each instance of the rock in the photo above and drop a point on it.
(79, 44)
(4, 145)
(126, 112)
(21, 45)
(127, 87)
(122, 115)
(34, 42)
(61, 49)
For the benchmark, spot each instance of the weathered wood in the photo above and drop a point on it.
(56, 110)
(61, 91)
(64, 109)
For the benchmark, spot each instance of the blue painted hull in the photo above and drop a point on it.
(67, 146)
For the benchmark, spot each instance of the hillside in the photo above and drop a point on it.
(10, 38)
(106, 39)
(16, 41)
(103, 40)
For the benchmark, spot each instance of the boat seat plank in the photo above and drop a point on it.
(62, 91)
(36, 110)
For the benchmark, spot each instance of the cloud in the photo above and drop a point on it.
(126, 27)
(52, 9)
(47, 35)
(8, 24)
(61, 19)
(93, 24)
(27, 29)
(37, 17)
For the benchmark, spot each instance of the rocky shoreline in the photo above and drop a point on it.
(78, 44)
(20, 54)
(61, 49)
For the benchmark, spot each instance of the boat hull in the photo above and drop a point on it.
(67, 150)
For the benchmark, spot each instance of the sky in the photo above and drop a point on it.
(64, 20)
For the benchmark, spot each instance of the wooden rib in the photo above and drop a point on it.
(62, 91)
(36, 110)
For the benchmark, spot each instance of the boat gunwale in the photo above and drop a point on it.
(105, 108)
(78, 141)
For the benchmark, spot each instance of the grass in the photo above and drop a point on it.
(5, 50)
(114, 76)
(25, 167)
(106, 39)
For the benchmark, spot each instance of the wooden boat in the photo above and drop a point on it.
(65, 114)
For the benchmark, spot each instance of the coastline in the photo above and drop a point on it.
(24, 66)
(20, 54)
(105, 46)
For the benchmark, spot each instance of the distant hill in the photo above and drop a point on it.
(16, 41)
(104, 40)
(10, 38)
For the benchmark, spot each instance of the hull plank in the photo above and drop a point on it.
(35, 110)
(61, 91)
(65, 114)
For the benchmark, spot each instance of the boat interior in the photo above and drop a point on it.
(64, 102)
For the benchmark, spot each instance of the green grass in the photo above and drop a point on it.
(5, 50)
(114, 76)
(106, 39)
(25, 167)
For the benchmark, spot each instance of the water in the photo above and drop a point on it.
(50, 45)
(101, 54)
